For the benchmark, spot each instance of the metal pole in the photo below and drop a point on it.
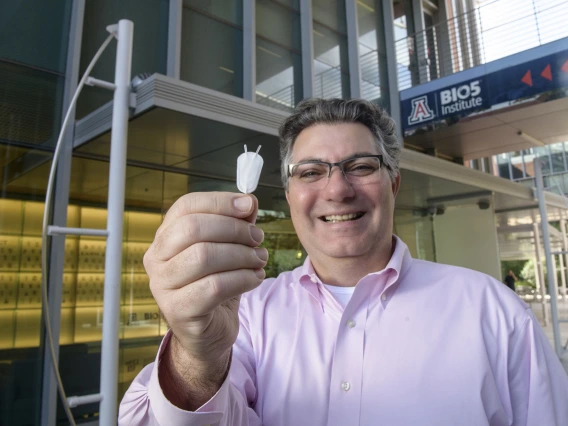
(562, 276)
(113, 258)
(539, 274)
(554, 274)
(565, 248)
(547, 252)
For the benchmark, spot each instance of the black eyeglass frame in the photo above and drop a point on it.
(338, 164)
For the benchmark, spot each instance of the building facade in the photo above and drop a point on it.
(214, 75)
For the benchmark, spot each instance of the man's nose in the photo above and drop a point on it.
(338, 187)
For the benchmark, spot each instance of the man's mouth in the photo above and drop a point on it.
(336, 218)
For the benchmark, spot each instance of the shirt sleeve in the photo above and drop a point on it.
(144, 403)
(538, 383)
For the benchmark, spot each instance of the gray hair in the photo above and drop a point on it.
(334, 111)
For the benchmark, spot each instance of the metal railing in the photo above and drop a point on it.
(490, 32)
(328, 84)
(283, 99)
(370, 76)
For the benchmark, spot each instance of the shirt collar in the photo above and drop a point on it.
(398, 263)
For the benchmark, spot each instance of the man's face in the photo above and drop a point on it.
(372, 203)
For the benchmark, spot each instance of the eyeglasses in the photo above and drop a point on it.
(357, 170)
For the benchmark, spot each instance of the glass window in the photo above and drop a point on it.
(28, 24)
(33, 55)
(211, 51)
(31, 102)
(543, 154)
(330, 13)
(278, 55)
(557, 157)
(372, 51)
(149, 49)
(331, 64)
(503, 165)
(226, 10)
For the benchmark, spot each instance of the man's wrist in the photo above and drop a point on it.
(187, 382)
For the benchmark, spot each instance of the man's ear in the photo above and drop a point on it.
(396, 184)
(287, 196)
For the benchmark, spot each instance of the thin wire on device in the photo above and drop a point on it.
(47, 219)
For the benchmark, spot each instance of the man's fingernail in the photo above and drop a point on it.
(256, 234)
(261, 253)
(260, 273)
(244, 204)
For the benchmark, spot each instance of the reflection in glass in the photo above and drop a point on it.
(558, 158)
(31, 106)
(417, 231)
(212, 52)
(33, 55)
(278, 55)
(149, 52)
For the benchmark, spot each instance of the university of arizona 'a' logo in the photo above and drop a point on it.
(420, 111)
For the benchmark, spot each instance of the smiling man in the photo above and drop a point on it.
(361, 334)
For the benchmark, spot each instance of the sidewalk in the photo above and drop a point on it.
(562, 314)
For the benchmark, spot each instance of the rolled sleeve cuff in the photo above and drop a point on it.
(168, 414)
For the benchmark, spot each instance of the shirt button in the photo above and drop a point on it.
(345, 386)
(384, 297)
(351, 323)
(314, 280)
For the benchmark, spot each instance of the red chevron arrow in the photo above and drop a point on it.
(527, 78)
(565, 67)
(546, 73)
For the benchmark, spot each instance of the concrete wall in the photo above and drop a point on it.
(467, 236)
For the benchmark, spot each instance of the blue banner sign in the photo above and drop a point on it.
(505, 85)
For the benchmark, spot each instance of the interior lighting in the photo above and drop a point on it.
(365, 6)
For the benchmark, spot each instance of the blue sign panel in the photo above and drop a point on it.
(505, 85)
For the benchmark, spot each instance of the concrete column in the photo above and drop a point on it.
(56, 261)
(394, 99)
(307, 25)
(353, 48)
(249, 50)
(444, 40)
(421, 42)
(174, 38)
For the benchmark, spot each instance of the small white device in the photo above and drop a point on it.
(249, 165)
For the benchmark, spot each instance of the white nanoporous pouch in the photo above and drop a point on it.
(249, 165)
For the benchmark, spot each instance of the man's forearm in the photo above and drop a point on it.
(188, 383)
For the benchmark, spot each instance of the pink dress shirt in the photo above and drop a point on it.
(418, 344)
